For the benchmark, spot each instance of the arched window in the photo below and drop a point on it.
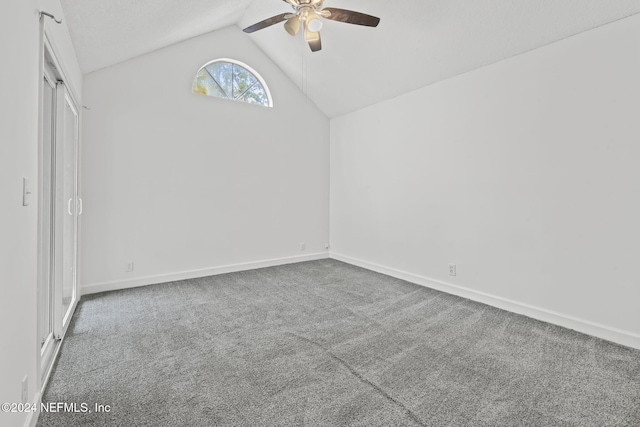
(229, 79)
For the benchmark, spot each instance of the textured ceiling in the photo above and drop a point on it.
(418, 42)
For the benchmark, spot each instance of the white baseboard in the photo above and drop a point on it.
(32, 417)
(93, 288)
(581, 325)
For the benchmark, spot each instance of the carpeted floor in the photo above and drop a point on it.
(324, 343)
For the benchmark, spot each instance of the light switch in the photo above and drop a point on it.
(26, 192)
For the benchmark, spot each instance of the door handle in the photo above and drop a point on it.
(69, 207)
(80, 205)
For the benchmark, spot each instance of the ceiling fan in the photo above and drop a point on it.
(308, 13)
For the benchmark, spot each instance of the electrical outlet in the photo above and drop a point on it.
(303, 246)
(452, 269)
(25, 389)
(128, 267)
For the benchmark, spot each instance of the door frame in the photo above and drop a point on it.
(48, 353)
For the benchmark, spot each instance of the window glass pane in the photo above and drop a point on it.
(242, 80)
(256, 95)
(230, 80)
(205, 85)
(222, 72)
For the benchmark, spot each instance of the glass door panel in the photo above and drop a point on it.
(65, 209)
(68, 177)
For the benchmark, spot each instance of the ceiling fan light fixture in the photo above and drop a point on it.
(292, 25)
(313, 39)
(311, 35)
(314, 25)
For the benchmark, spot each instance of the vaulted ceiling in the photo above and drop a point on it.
(417, 43)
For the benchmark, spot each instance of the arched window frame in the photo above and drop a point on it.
(257, 75)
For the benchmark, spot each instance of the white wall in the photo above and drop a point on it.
(19, 103)
(523, 173)
(184, 184)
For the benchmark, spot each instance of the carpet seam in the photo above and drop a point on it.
(364, 380)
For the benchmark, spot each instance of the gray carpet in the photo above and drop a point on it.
(324, 343)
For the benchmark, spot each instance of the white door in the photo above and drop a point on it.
(59, 210)
(66, 208)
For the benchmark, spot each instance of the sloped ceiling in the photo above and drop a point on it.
(417, 43)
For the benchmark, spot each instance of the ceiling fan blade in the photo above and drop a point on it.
(292, 25)
(313, 39)
(351, 17)
(266, 23)
(291, 2)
